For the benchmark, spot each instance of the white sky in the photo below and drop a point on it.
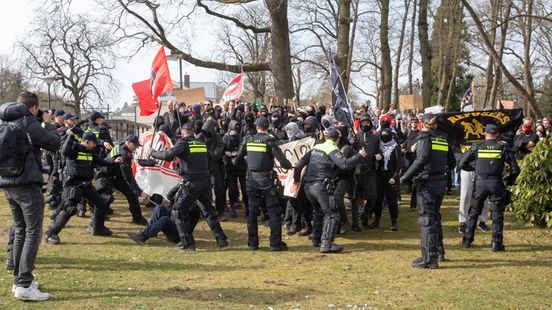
(15, 18)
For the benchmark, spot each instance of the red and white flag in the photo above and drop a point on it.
(148, 91)
(235, 89)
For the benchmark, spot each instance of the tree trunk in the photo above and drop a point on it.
(527, 36)
(281, 57)
(399, 53)
(490, 64)
(503, 32)
(411, 47)
(385, 55)
(425, 52)
(343, 32)
(522, 91)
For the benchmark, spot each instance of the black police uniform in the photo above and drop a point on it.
(193, 166)
(120, 178)
(79, 169)
(433, 157)
(490, 157)
(215, 151)
(261, 150)
(323, 161)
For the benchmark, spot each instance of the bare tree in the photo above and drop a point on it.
(396, 69)
(386, 75)
(12, 80)
(425, 52)
(79, 52)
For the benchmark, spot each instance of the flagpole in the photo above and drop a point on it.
(155, 128)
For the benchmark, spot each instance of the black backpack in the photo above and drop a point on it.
(12, 161)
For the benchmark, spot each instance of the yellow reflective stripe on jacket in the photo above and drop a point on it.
(256, 147)
(95, 132)
(489, 153)
(84, 156)
(114, 151)
(327, 147)
(197, 147)
(439, 144)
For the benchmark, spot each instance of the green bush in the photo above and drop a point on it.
(532, 194)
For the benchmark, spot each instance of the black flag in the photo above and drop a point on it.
(466, 128)
(341, 108)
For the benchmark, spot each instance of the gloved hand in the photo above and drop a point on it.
(403, 180)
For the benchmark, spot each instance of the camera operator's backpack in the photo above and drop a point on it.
(12, 162)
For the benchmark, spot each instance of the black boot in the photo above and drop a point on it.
(305, 231)
(221, 242)
(100, 231)
(329, 247)
(420, 263)
(140, 221)
(374, 225)
(279, 248)
(497, 247)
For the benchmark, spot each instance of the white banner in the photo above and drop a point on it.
(293, 151)
(161, 178)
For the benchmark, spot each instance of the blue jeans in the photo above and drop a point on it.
(161, 221)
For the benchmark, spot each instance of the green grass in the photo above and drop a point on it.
(373, 272)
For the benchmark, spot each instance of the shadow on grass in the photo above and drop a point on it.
(489, 263)
(129, 265)
(236, 296)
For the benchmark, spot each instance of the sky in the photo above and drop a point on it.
(16, 16)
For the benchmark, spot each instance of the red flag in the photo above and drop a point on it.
(147, 105)
(148, 91)
(234, 90)
(160, 77)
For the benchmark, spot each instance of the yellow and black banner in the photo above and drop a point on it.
(466, 128)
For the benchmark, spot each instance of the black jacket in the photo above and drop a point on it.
(215, 146)
(193, 161)
(124, 170)
(40, 138)
(323, 161)
(80, 162)
(370, 142)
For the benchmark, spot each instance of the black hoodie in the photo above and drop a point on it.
(40, 138)
(215, 147)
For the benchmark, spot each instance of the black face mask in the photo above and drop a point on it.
(249, 120)
(276, 122)
(311, 113)
(366, 128)
(386, 138)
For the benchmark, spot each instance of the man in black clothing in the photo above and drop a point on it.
(236, 170)
(196, 185)
(323, 162)
(215, 151)
(121, 178)
(80, 161)
(433, 157)
(261, 149)
(490, 157)
(525, 140)
(410, 155)
(24, 191)
(365, 173)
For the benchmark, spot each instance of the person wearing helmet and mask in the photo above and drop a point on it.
(248, 125)
(236, 170)
(277, 126)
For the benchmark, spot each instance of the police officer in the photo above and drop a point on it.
(490, 157)
(120, 178)
(196, 185)
(105, 142)
(433, 156)
(261, 150)
(79, 168)
(323, 162)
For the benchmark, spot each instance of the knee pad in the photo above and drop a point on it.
(73, 195)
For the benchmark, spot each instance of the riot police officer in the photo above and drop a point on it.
(80, 161)
(261, 150)
(433, 157)
(196, 185)
(323, 162)
(120, 178)
(490, 157)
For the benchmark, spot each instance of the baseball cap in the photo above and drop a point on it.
(134, 139)
(95, 115)
(262, 122)
(68, 116)
(332, 132)
(59, 113)
(89, 136)
(187, 126)
(491, 129)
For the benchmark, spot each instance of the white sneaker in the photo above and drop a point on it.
(30, 293)
(33, 284)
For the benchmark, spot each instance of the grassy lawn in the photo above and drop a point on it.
(373, 272)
